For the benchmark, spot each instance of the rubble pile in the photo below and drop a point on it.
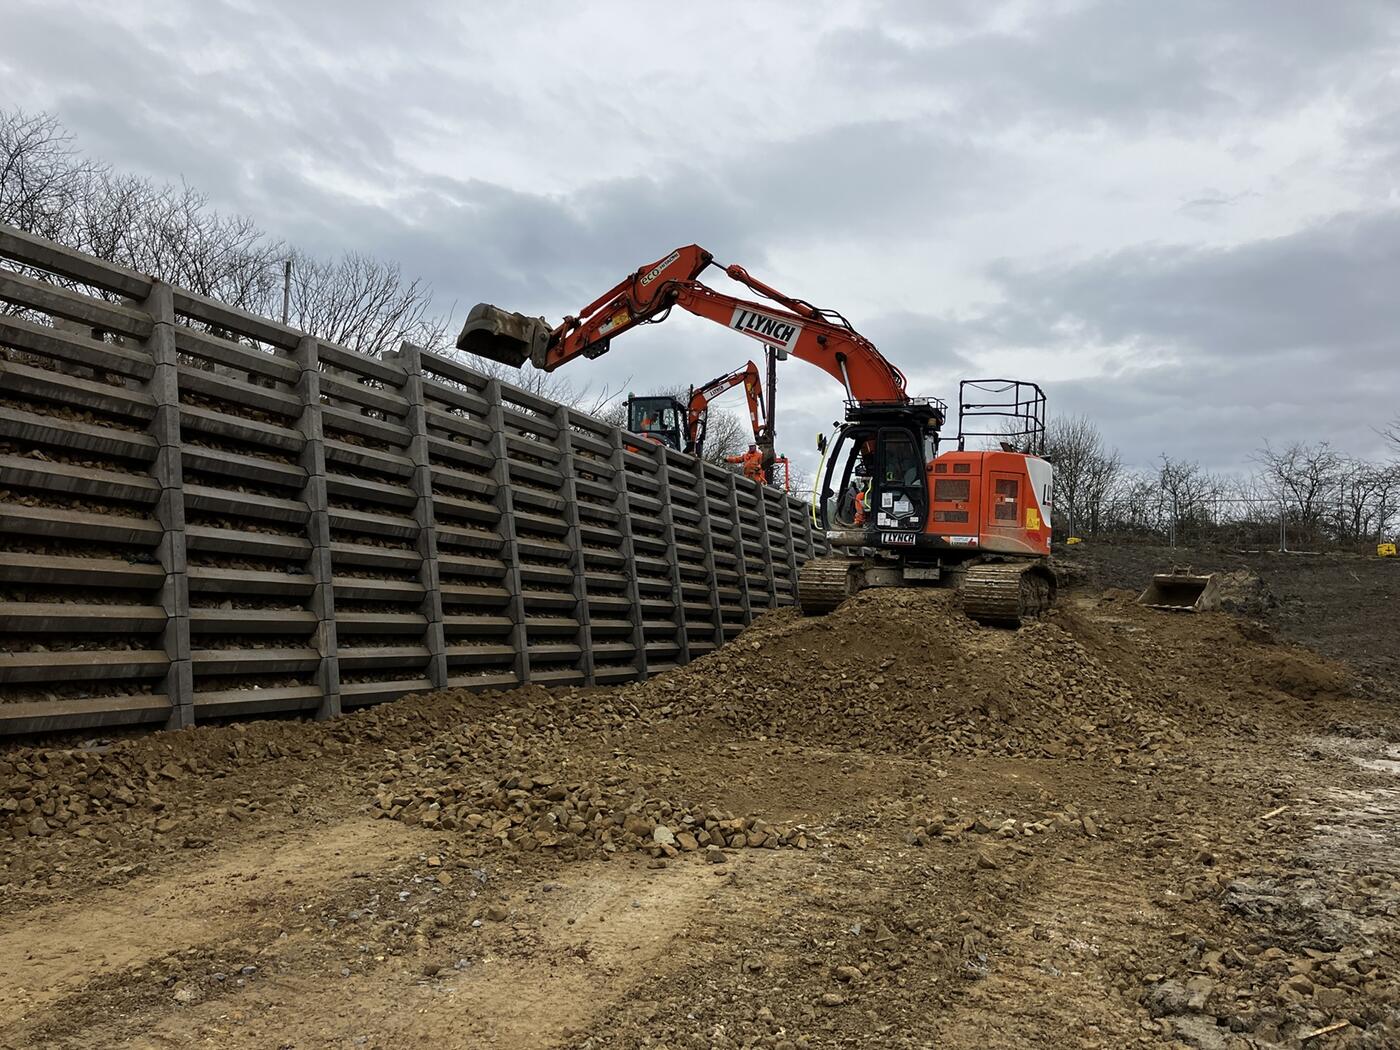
(469, 778)
(1301, 966)
(84, 793)
(905, 671)
(540, 811)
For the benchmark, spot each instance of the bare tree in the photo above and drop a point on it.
(1367, 500)
(1391, 434)
(172, 232)
(1303, 477)
(362, 303)
(1085, 471)
(1133, 504)
(42, 175)
(1188, 493)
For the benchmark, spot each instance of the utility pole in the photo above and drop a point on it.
(286, 289)
(770, 415)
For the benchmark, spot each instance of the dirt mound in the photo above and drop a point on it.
(1114, 826)
(1245, 593)
(580, 818)
(574, 800)
(895, 671)
(904, 670)
(1299, 674)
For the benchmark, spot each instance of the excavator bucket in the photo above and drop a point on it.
(509, 338)
(1182, 591)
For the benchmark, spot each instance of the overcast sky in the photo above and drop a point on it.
(1181, 218)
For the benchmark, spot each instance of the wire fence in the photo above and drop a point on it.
(1238, 522)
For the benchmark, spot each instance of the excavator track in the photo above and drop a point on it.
(1004, 595)
(823, 584)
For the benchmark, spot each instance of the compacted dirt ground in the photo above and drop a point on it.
(886, 827)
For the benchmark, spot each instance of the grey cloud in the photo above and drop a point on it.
(313, 117)
(1119, 61)
(1295, 337)
(1326, 288)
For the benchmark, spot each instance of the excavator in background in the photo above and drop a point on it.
(701, 396)
(685, 426)
(898, 508)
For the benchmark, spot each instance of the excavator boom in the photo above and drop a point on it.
(793, 326)
(697, 415)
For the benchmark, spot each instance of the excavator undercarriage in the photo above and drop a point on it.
(994, 593)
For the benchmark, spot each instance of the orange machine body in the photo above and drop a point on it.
(886, 485)
(990, 501)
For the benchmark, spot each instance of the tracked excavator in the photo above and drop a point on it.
(759, 462)
(898, 507)
(685, 425)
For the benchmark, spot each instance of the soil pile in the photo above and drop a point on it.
(893, 671)
(576, 800)
(905, 671)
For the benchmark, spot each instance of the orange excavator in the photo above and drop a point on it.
(664, 419)
(898, 507)
(683, 425)
(701, 396)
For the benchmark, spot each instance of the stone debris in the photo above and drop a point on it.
(539, 812)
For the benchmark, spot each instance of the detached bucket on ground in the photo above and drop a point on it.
(1182, 591)
(510, 338)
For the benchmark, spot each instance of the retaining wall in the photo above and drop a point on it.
(207, 514)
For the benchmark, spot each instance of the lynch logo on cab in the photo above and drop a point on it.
(771, 331)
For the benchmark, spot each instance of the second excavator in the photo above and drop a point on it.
(898, 507)
(685, 425)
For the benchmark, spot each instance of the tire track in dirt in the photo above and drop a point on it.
(1049, 981)
(596, 933)
(47, 954)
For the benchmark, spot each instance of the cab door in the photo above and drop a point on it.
(900, 494)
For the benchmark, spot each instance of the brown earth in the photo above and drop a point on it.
(886, 827)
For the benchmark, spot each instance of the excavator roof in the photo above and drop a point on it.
(927, 413)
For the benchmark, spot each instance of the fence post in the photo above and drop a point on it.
(410, 358)
(707, 547)
(739, 546)
(510, 551)
(789, 544)
(765, 540)
(318, 525)
(618, 460)
(1282, 528)
(168, 471)
(573, 538)
(673, 555)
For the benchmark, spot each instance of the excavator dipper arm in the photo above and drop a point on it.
(819, 337)
(701, 397)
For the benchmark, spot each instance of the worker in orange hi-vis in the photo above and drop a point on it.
(753, 465)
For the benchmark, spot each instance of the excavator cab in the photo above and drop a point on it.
(659, 419)
(875, 487)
